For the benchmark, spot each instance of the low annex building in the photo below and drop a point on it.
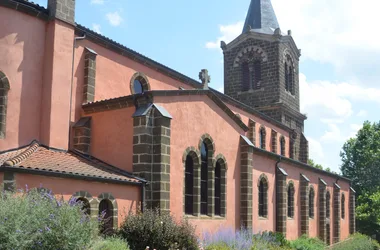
(86, 117)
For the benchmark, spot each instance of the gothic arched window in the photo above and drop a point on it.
(189, 184)
(291, 200)
(311, 202)
(204, 177)
(256, 78)
(282, 146)
(85, 205)
(263, 197)
(262, 135)
(4, 88)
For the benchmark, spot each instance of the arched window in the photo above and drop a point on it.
(328, 198)
(311, 202)
(204, 177)
(256, 84)
(342, 206)
(262, 135)
(218, 188)
(291, 200)
(85, 205)
(282, 145)
(106, 211)
(139, 83)
(4, 88)
(263, 197)
(289, 75)
(189, 184)
(246, 78)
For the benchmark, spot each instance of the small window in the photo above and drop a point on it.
(246, 79)
(343, 201)
(291, 200)
(4, 88)
(139, 83)
(218, 188)
(328, 198)
(289, 75)
(85, 205)
(189, 184)
(311, 203)
(105, 210)
(256, 74)
(263, 197)
(204, 178)
(282, 146)
(137, 87)
(262, 137)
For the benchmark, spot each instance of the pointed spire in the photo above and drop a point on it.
(261, 17)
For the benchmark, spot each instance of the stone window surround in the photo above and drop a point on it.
(265, 180)
(262, 137)
(143, 79)
(109, 197)
(287, 58)
(282, 145)
(4, 87)
(195, 154)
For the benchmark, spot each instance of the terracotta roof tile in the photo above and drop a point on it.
(36, 157)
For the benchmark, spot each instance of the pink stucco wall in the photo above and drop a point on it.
(194, 116)
(57, 84)
(22, 42)
(245, 116)
(127, 197)
(112, 137)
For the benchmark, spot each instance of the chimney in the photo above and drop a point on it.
(63, 10)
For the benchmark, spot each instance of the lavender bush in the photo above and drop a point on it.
(37, 220)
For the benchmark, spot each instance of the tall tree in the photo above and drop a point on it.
(361, 159)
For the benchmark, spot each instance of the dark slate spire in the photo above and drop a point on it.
(261, 17)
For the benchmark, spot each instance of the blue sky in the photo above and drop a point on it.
(339, 67)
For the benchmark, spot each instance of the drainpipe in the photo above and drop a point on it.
(72, 83)
(143, 185)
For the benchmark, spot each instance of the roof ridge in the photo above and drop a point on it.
(33, 147)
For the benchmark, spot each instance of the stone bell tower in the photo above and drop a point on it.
(261, 70)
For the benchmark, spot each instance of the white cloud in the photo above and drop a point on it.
(96, 28)
(114, 18)
(333, 31)
(334, 99)
(333, 134)
(362, 113)
(315, 148)
(97, 2)
(228, 33)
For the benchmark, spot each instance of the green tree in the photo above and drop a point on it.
(368, 214)
(361, 159)
(313, 164)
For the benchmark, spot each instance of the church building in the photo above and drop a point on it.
(86, 117)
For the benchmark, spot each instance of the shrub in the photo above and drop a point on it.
(244, 239)
(33, 220)
(111, 243)
(158, 231)
(305, 243)
(357, 242)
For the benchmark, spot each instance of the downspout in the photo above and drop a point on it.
(71, 84)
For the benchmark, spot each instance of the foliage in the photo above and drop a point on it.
(357, 242)
(37, 220)
(368, 213)
(111, 243)
(243, 239)
(361, 159)
(313, 164)
(158, 230)
(305, 243)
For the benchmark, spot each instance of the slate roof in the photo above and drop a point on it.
(37, 158)
(261, 17)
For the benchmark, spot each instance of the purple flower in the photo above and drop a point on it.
(47, 229)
